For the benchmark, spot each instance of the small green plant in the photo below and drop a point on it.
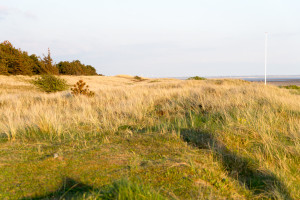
(80, 88)
(50, 83)
(196, 78)
(138, 78)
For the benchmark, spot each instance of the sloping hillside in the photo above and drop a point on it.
(149, 139)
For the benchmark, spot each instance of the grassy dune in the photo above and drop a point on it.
(149, 139)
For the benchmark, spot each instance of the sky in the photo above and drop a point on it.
(159, 38)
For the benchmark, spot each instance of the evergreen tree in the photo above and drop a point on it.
(3, 68)
(38, 66)
(14, 61)
(48, 64)
(17, 62)
(75, 68)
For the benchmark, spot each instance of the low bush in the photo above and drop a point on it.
(80, 88)
(196, 78)
(50, 83)
(138, 78)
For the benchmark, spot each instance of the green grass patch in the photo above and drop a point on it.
(148, 165)
(293, 87)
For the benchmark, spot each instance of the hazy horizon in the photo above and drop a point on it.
(159, 38)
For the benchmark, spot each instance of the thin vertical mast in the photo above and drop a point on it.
(266, 51)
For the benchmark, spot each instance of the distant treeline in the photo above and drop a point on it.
(14, 61)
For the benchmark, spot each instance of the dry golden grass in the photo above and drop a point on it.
(257, 122)
(123, 101)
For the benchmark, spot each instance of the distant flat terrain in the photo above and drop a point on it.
(285, 83)
(273, 80)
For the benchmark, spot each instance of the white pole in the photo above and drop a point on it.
(266, 51)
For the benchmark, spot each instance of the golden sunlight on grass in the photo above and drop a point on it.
(208, 139)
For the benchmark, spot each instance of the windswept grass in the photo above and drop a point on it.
(170, 139)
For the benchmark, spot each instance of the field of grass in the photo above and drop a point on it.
(149, 139)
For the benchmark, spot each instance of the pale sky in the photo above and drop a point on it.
(159, 38)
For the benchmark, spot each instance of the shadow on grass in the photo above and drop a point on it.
(68, 190)
(121, 189)
(243, 169)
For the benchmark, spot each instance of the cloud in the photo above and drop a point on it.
(6, 11)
